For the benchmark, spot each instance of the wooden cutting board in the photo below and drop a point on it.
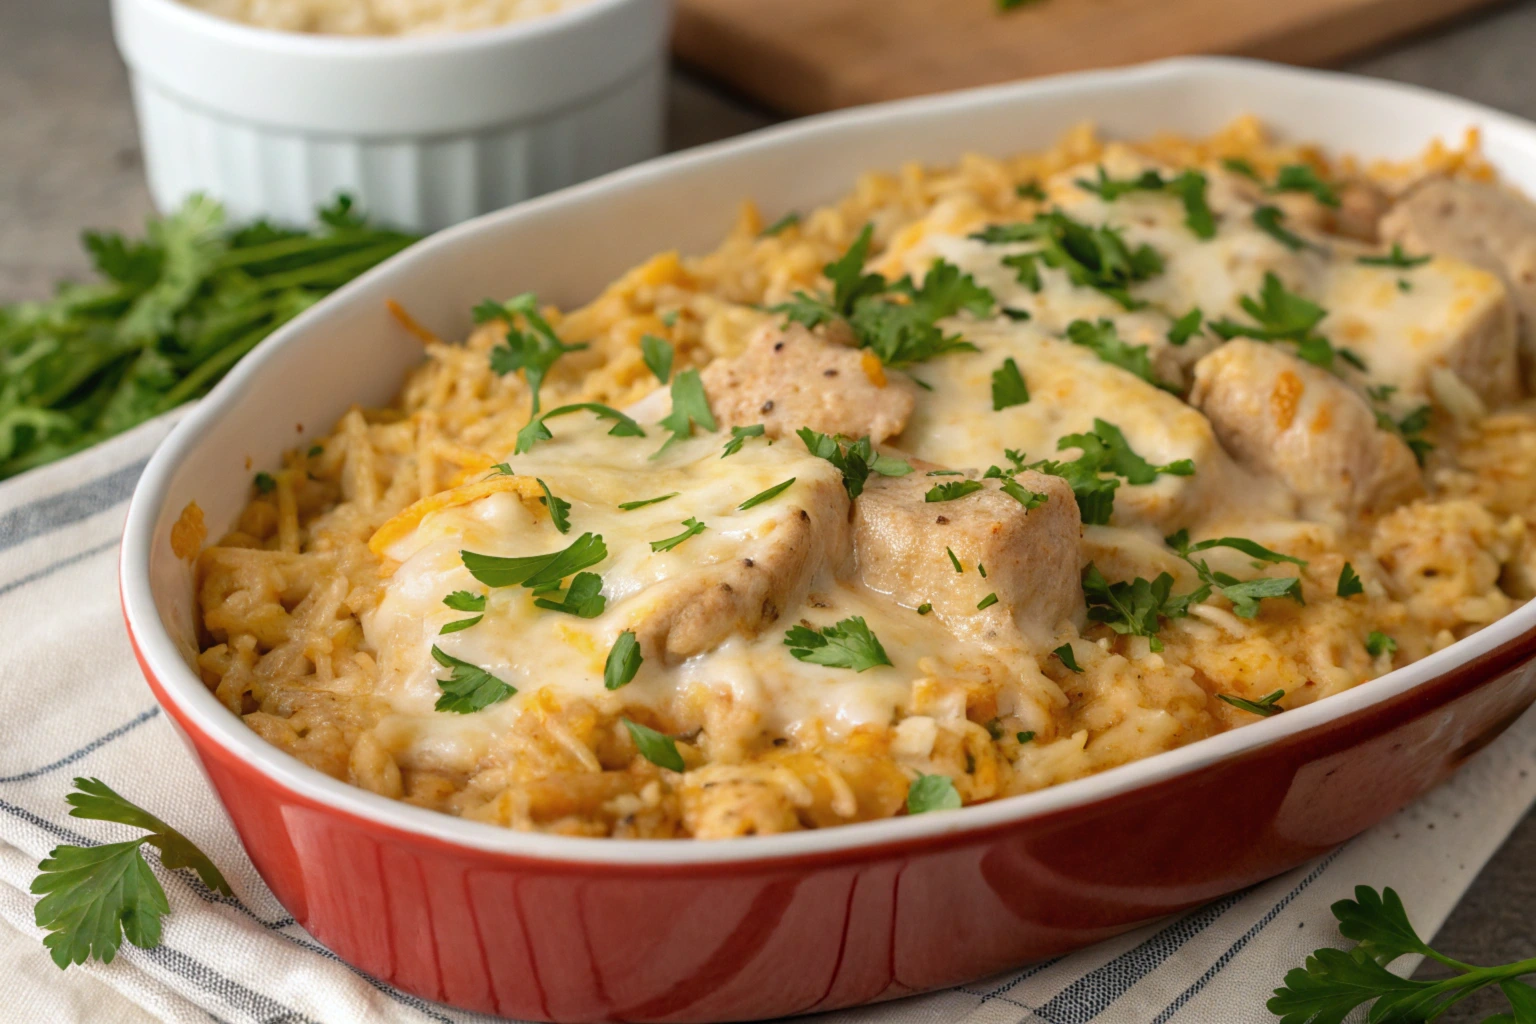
(805, 56)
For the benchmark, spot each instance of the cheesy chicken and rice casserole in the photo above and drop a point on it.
(978, 480)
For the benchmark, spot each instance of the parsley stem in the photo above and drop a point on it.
(332, 272)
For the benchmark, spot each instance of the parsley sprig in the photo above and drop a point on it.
(1281, 315)
(847, 644)
(1301, 178)
(1334, 981)
(1092, 256)
(691, 528)
(1188, 187)
(898, 321)
(1095, 475)
(95, 895)
(854, 459)
(534, 351)
(469, 687)
(1245, 595)
(1103, 340)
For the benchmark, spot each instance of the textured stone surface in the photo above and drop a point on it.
(69, 159)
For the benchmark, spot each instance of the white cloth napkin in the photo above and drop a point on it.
(73, 703)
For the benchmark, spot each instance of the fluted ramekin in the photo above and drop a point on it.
(424, 131)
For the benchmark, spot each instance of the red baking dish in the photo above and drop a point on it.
(563, 929)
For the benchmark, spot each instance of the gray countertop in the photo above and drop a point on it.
(70, 160)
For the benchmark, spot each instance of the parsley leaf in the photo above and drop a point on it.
(623, 661)
(924, 608)
(1269, 219)
(265, 483)
(468, 688)
(691, 527)
(1092, 256)
(933, 792)
(848, 644)
(1396, 258)
(739, 437)
(1107, 450)
(952, 490)
(1410, 428)
(855, 460)
(464, 601)
(458, 624)
(784, 223)
(1024, 737)
(1264, 707)
(1186, 327)
(1018, 492)
(533, 351)
(559, 508)
(1008, 388)
(1030, 190)
(1282, 315)
(657, 353)
(1136, 607)
(630, 506)
(1188, 187)
(583, 599)
(95, 895)
(1379, 643)
(1349, 582)
(1237, 165)
(767, 495)
(1104, 341)
(535, 430)
(657, 748)
(986, 602)
(1301, 178)
(1068, 658)
(690, 406)
(1245, 595)
(536, 570)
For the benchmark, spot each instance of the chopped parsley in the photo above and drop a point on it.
(1349, 582)
(981, 569)
(1024, 737)
(1018, 315)
(583, 599)
(935, 792)
(986, 602)
(1301, 178)
(1091, 256)
(784, 223)
(1396, 258)
(1188, 187)
(265, 483)
(952, 490)
(953, 560)
(1264, 707)
(1030, 190)
(1410, 428)
(315, 450)
(855, 459)
(1237, 165)
(463, 601)
(468, 687)
(458, 624)
(1104, 341)
(739, 437)
(768, 495)
(657, 353)
(1186, 327)
(1379, 643)
(630, 506)
(533, 351)
(623, 661)
(1245, 595)
(559, 508)
(897, 321)
(944, 472)
(669, 318)
(536, 570)
(1135, 607)
(848, 644)
(924, 608)
(691, 528)
(1065, 654)
(1282, 315)
(1104, 451)
(1270, 220)
(657, 748)
(1008, 388)
(690, 406)
(1018, 492)
(536, 429)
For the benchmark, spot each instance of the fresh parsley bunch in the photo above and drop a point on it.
(897, 321)
(1334, 982)
(174, 312)
(95, 895)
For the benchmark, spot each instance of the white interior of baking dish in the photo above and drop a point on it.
(568, 245)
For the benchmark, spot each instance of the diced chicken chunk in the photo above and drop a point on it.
(690, 614)
(1288, 419)
(788, 378)
(1484, 225)
(903, 542)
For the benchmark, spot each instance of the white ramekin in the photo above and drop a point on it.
(424, 131)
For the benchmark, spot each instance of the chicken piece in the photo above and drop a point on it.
(1283, 417)
(690, 614)
(1484, 225)
(902, 544)
(788, 378)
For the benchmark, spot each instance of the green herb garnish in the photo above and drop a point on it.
(848, 644)
(1067, 658)
(952, 490)
(657, 748)
(1104, 451)
(1379, 643)
(1301, 178)
(533, 351)
(768, 495)
(559, 508)
(630, 506)
(1264, 707)
(691, 528)
(536, 570)
(584, 598)
(1024, 737)
(658, 354)
(1135, 607)
(623, 661)
(739, 437)
(690, 406)
(854, 459)
(536, 429)
(789, 220)
(1396, 258)
(1104, 341)
(1282, 315)
(463, 601)
(953, 560)
(1186, 327)
(1349, 582)
(924, 608)
(95, 895)
(1237, 165)
(1270, 220)
(468, 687)
(265, 483)
(932, 793)
(986, 602)
(1245, 595)
(1188, 187)
(1008, 388)
(1092, 256)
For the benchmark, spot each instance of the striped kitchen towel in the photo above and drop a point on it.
(74, 704)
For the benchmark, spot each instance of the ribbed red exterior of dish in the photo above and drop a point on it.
(552, 940)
